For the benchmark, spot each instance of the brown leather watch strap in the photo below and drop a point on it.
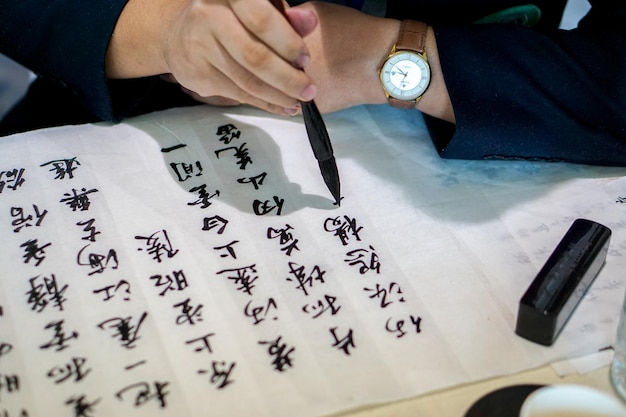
(402, 104)
(412, 36)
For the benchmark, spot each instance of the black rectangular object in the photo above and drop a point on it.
(562, 281)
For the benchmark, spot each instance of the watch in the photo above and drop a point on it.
(405, 73)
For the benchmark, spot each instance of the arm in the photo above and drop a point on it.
(243, 50)
(498, 91)
(108, 54)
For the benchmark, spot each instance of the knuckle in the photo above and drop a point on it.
(256, 55)
(260, 22)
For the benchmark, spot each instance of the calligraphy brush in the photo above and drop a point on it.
(318, 137)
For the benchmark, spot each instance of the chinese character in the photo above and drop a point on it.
(281, 354)
(60, 339)
(41, 294)
(127, 333)
(213, 222)
(34, 251)
(303, 279)
(220, 373)
(204, 341)
(184, 171)
(11, 179)
(286, 239)
(97, 262)
(23, 220)
(242, 277)
(397, 326)
(345, 343)
(144, 393)
(260, 313)
(90, 229)
(78, 201)
(319, 308)
(122, 286)
(158, 244)
(72, 369)
(241, 154)
(343, 227)
(62, 167)
(189, 314)
(356, 257)
(384, 293)
(82, 408)
(261, 208)
(204, 198)
(175, 282)
(229, 248)
(256, 180)
(227, 133)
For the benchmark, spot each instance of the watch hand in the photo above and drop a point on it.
(400, 71)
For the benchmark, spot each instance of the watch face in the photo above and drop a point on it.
(405, 75)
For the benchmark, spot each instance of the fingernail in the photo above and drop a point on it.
(308, 93)
(303, 60)
(291, 111)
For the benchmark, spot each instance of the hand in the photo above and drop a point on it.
(347, 48)
(243, 50)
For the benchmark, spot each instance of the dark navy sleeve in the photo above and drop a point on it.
(522, 93)
(65, 42)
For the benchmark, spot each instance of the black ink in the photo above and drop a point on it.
(78, 201)
(227, 133)
(256, 180)
(189, 314)
(204, 198)
(357, 257)
(123, 330)
(122, 285)
(144, 393)
(62, 167)
(213, 222)
(304, 280)
(261, 208)
(22, 220)
(260, 313)
(184, 171)
(75, 369)
(44, 290)
(34, 251)
(342, 228)
(241, 154)
(243, 277)
(12, 179)
(174, 282)
(321, 306)
(173, 148)
(345, 343)
(203, 341)
(90, 229)
(281, 354)
(383, 294)
(97, 262)
(229, 248)
(158, 244)
(82, 407)
(60, 338)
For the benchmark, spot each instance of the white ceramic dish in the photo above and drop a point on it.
(570, 400)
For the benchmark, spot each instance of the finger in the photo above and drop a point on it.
(223, 85)
(268, 24)
(303, 21)
(256, 69)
